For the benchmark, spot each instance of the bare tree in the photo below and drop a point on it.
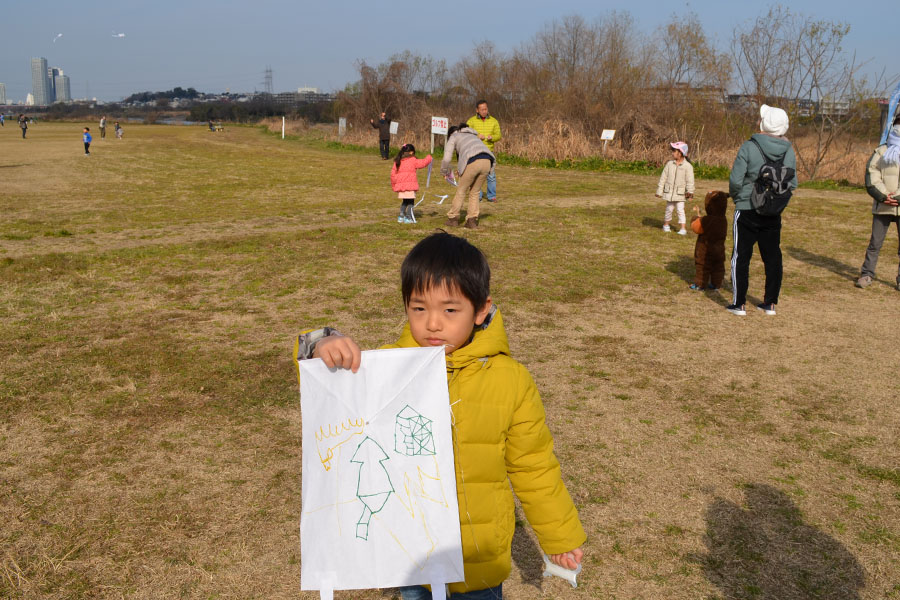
(799, 63)
(481, 73)
(687, 56)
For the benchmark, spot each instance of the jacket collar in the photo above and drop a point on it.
(488, 339)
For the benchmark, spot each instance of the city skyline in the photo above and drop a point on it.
(48, 84)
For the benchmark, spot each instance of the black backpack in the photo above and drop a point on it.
(772, 189)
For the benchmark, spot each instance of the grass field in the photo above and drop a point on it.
(149, 414)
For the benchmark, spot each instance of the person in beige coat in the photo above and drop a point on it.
(675, 185)
(883, 184)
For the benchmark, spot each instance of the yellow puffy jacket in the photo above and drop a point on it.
(486, 127)
(499, 433)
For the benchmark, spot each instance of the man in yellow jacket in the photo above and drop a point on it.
(488, 129)
(500, 436)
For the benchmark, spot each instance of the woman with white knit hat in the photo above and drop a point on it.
(751, 228)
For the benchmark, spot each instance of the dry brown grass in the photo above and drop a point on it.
(558, 139)
(149, 422)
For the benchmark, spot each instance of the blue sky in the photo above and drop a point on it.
(224, 44)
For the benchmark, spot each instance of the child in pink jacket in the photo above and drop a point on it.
(404, 180)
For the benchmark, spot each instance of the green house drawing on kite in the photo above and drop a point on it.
(412, 434)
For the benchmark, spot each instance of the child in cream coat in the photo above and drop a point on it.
(675, 185)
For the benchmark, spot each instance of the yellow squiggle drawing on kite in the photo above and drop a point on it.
(335, 436)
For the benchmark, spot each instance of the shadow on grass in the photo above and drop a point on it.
(527, 555)
(684, 267)
(764, 550)
(652, 222)
(835, 266)
(13, 166)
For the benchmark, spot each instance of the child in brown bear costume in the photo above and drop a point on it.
(709, 252)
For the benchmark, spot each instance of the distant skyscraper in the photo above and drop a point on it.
(62, 88)
(2, 93)
(40, 82)
(53, 73)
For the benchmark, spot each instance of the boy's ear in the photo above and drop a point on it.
(482, 313)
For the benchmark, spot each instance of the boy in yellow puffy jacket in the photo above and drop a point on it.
(499, 432)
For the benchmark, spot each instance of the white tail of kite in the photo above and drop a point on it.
(118, 35)
(58, 35)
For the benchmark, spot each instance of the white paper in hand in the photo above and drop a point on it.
(379, 488)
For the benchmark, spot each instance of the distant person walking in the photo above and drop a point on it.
(750, 227)
(103, 127)
(2, 118)
(23, 123)
(488, 129)
(86, 138)
(883, 184)
(474, 163)
(384, 135)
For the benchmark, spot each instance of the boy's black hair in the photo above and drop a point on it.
(480, 102)
(445, 259)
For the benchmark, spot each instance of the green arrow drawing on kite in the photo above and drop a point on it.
(374, 485)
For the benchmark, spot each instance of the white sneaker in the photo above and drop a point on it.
(736, 310)
(666, 228)
(682, 231)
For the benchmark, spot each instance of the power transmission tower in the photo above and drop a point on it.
(267, 81)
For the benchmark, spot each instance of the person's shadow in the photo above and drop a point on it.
(684, 268)
(764, 551)
(817, 260)
(527, 554)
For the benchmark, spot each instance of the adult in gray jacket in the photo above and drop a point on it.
(473, 165)
(750, 227)
(883, 184)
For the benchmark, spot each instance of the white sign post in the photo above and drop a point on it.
(342, 127)
(607, 136)
(282, 127)
(439, 125)
(395, 127)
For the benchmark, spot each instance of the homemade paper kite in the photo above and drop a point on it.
(118, 35)
(58, 35)
(379, 486)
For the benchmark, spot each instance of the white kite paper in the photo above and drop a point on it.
(379, 488)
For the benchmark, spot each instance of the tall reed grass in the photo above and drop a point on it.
(555, 142)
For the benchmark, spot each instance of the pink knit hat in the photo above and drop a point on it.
(680, 146)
